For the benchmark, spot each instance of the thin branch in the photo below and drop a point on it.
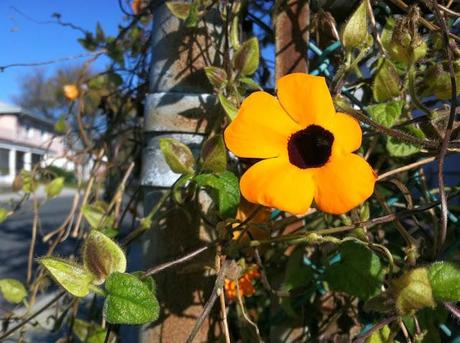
(218, 286)
(33, 241)
(429, 25)
(40, 311)
(452, 309)
(368, 224)
(445, 142)
(362, 338)
(58, 60)
(223, 307)
(405, 168)
(245, 314)
(374, 28)
(58, 20)
(180, 260)
(141, 229)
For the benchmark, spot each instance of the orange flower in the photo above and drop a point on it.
(306, 149)
(136, 6)
(71, 92)
(245, 284)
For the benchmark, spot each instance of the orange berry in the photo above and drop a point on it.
(71, 92)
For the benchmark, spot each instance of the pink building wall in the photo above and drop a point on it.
(12, 130)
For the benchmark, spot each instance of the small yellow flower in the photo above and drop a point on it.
(71, 92)
(305, 146)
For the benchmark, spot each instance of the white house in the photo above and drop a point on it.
(27, 139)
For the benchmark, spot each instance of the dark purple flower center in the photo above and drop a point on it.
(310, 147)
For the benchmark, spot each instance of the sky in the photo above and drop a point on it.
(24, 38)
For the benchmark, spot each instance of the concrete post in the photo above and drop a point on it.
(179, 105)
(12, 164)
(292, 20)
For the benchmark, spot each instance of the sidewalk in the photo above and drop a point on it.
(40, 193)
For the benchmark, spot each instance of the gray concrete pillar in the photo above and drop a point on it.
(180, 104)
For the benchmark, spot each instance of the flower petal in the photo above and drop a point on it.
(347, 132)
(261, 129)
(306, 98)
(343, 183)
(276, 183)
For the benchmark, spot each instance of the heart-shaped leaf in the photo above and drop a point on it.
(129, 300)
(73, 277)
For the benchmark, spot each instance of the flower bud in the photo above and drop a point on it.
(412, 291)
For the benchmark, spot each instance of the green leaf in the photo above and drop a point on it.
(129, 301)
(61, 125)
(88, 42)
(100, 37)
(358, 273)
(54, 188)
(400, 46)
(235, 33)
(96, 217)
(177, 155)
(397, 148)
(148, 281)
(102, 256)
(386, 114)
(214, 154)
(436, 81)
(73, 277)
(193, 15)
(386, 83)
(97, 82)
(430, 320)
(445, 281)
(88, 332)
(116, 53)
(114, 79)
(380, 336)
(12, 290)
(228, 106)
(216, 76)
(29, 183)
(226, 191)
(246, 58)
(250, 83)
(412, 291)
(4, 213)
(354, 33)
(180, 10)
(297, 273)
(110, 232)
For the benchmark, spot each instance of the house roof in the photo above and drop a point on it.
(13, 109)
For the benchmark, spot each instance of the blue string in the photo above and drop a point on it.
(324, 62)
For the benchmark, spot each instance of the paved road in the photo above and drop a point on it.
(15, 236)
(16, 231)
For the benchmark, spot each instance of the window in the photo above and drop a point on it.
(28, 131)
(36, 159)
(19, 161)
(4, 161)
